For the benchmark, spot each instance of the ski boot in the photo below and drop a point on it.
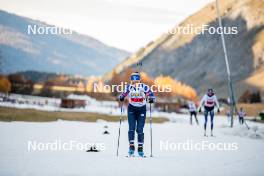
(212, 134)
(205, 133)
(140, 151)
(131, 150)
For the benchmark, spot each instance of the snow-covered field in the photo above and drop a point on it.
(53, 104)
(246, 158)
(92, 105)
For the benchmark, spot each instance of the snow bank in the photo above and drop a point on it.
(255, 131)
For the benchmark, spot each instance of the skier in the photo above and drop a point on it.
(192, 110)
(137, 93)
(241, 115)
(209, 101)
(228, 115)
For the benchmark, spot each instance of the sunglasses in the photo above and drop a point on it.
(135, 78)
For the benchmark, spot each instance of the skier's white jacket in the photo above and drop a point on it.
(209, 101)
(241, 114)
(192, 106)
(137, 94)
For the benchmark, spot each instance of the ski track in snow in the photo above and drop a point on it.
(17, 160)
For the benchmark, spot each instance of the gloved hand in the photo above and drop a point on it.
(218, 110)
(121, 98)
(200, 110)
(151, 99)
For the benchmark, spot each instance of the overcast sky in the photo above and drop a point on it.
(125, 24)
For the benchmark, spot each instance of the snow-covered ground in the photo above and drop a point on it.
(244, 154)
(92, 105)
(53, 104)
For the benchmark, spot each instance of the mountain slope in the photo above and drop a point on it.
(71, 54)
(198, 60)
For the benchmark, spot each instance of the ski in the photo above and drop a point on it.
(133, 156)
(142, 156)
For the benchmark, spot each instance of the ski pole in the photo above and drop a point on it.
(150, 123)
(246, 124)
(120, 120)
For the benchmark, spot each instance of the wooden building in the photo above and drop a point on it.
(72, 103)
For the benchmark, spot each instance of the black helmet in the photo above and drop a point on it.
(210, 92)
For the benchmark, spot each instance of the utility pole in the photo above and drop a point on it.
(230, 84)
